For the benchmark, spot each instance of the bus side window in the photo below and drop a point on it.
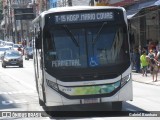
(48, 39)
(38, 41)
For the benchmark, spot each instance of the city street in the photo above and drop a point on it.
(82, 51)
(18, 93)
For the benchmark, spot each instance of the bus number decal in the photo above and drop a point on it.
(60, 63)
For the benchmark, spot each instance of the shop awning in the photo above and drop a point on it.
(136, 8)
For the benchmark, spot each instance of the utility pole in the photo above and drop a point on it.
(11, 22)
(5, 18)
(15, 27)
(21, 22)
(21, 30)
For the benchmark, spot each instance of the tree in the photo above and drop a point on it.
(1, 9)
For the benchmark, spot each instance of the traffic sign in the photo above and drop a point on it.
(23, 10)
(24, 13)
(24, 16)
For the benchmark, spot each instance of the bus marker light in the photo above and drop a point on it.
(125, 80)
(52, 85)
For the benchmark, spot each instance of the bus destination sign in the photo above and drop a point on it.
(84, 17)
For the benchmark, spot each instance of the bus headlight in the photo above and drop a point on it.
(53, 85)
(125, 80)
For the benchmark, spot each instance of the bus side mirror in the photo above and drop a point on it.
(38, 42)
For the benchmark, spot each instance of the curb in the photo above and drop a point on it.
(146, 83)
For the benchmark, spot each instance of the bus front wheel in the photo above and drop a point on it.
(41, 102)
(117, 106)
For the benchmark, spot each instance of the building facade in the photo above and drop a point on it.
(143, 15)
(145, 24)
(15, 30)
(144, 20)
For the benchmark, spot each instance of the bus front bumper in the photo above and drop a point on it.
(53, 98)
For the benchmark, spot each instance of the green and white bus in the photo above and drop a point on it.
(82, 56)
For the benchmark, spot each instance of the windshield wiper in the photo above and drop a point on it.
(71, 35)
(98, 33)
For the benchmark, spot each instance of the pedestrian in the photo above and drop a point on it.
(154, 68)
(158, 55)
(132, 59)
(158, 58)
(145, 49)
(137, 60)
(151, 54)
(144, 63)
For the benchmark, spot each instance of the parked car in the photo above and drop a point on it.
(12, 58)
(28, 53)
(10, 44)
(16, 46)
(1, 42)
(2, 50)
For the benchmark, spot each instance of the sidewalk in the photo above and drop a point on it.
(143, 79)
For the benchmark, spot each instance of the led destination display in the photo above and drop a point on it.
(84, 17)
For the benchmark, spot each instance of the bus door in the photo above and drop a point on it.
(39, 67)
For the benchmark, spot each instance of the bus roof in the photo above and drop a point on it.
(75, 8)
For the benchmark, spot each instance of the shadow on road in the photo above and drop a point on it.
(92, 110)
(7, 67)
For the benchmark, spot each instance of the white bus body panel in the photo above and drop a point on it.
(53, 98)
(127, 92)
(124, 94)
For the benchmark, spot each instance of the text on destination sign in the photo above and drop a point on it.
(84, 17)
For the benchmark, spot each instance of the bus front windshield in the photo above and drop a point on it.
(85, 45)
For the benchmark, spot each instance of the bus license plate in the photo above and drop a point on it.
(93, 100)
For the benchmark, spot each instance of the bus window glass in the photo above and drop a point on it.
(91, 46)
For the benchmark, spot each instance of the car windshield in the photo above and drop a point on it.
(9, 44)
(86, 45)
(29, 49)
(12, 54)
(4, 49)
(16, 46)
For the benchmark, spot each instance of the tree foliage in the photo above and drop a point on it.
(1, 5)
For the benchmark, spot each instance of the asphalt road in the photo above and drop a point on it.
(18, 93)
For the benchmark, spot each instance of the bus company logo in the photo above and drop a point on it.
(89, 83)
(6, 114)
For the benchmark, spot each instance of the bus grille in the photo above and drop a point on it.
(88, 77)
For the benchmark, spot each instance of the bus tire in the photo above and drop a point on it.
(41, 103)
(117, 106)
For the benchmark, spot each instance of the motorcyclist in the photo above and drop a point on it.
(20, 50)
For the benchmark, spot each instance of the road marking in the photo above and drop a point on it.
(20, 81)
(18, 92)
(9, 102)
